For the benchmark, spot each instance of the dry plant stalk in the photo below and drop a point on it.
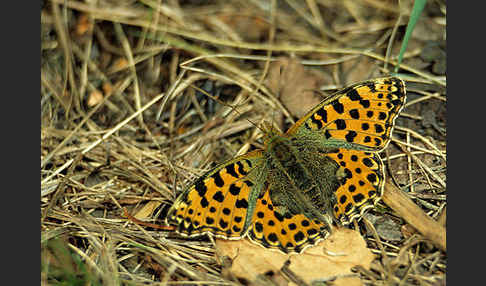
(414, 215)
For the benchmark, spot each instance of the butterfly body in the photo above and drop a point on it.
(324, 169)
(301, 178)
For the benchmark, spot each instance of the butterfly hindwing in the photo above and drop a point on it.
(218, 202)
(361, 183)
(362, 115)
(284, 231)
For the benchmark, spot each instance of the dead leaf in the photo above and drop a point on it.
(332, 257)
(359, 69)
(94, 98)
(83, 24)
(107, 88)
(244, 27)
(147, 210)
(295, 86)
(386, 228)
(119, 64)
(407, 231)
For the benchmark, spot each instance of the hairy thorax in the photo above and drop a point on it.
(301, 178)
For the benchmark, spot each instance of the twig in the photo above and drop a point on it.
(414, 215)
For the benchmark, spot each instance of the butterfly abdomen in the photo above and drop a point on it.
(301, 180)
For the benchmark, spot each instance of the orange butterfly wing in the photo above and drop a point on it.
(233, 199)
(218, 202)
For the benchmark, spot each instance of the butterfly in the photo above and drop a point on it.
(324, 170)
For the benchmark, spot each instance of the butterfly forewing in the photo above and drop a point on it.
(362, 115)
(217, 202)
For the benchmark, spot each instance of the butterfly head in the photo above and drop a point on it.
(270, 131)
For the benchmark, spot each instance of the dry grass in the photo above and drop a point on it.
(126, 124)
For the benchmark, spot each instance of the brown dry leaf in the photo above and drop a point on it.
(295, 86)
(119, 64)
(332, 257)
(359, 69)
(386, 228)
(147, 210)
(107, 88)
(244, 27)
(83, 24)
(407, 231)
(94, 98)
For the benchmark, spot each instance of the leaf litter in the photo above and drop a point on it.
(90, 92)
(330, 259)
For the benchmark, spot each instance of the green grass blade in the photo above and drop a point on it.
(417, 9)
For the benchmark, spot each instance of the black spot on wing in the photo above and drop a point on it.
(367, 162)
(350, 136)
(218, 181)
(230, 169)
(218, 196)
(358, 198)
(223, 224)
(241, 203)
(323, 114)
(340, 124)
(371, 178)
(204, 202)
(248, 183)
(241, 168)
(379, 128)
(258, 227)
(354, 113)
(365, 103)
(316, 122)
(200, 187)
(353, 95)
(382, 116)
(348, 208)
(338, 107)
(234, 190)
(272, 237)
(299, 236)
